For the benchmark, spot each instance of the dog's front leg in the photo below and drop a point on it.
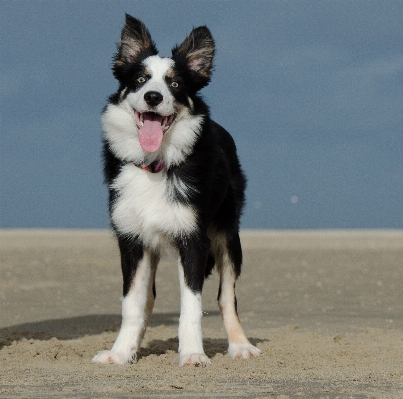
(138, 267)
(193, 258)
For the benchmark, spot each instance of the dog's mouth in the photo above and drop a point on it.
(152, 127)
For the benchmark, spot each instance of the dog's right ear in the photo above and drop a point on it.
(135, 44)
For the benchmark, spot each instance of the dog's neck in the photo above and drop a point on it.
(153, 167)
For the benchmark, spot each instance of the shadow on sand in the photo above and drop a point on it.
(76, 327)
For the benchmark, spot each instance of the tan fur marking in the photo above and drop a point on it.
(232, 325)
(170, 73)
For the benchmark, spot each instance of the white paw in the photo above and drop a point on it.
(243, 351)
(194, 359)
(110, 357)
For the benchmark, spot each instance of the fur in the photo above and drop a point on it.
(174, 180)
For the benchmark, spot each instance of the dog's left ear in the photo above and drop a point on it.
(197, 53)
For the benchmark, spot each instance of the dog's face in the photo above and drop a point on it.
(152, 97)
(155, 94)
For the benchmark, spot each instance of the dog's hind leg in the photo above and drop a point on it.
(138, 267)
(229, 266)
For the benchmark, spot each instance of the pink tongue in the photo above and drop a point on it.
(151, 134)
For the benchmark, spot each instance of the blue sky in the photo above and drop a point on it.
(312, 92)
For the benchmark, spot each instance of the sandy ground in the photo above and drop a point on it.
(325, 308)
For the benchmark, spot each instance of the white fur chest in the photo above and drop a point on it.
(143, 206)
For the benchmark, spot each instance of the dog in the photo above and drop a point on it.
(174, 180)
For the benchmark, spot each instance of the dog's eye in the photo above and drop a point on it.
(175, 85)
(141, 79)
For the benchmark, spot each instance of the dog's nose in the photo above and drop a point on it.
(153, 98)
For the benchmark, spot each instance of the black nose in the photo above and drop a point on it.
(153, 98)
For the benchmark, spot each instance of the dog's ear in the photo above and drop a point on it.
(135, 42)
(197, 53)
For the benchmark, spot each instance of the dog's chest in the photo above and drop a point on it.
(145, 206)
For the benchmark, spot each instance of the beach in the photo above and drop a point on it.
(325, 307)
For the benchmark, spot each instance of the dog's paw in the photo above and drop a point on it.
(194, 359)
(110, 357)
(243, 351)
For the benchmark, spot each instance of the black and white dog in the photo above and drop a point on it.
(174, 179)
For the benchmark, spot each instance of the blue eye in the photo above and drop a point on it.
(175, 85)
(141, 79)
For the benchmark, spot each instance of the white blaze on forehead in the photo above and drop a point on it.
(157, 66)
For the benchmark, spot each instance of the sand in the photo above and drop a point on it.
(325, 308)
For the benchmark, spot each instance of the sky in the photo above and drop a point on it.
(311, 91)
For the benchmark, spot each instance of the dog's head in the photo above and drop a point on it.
(159, 92)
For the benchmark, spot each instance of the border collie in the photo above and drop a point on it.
(174, 179)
